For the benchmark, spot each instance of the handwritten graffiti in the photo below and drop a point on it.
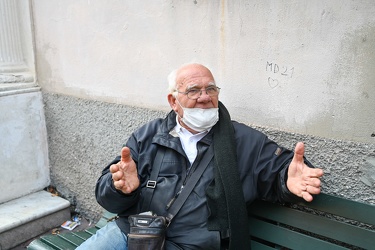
(278, 74)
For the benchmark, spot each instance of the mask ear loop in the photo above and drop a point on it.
(183, 109)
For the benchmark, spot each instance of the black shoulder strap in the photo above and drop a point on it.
(151, 183)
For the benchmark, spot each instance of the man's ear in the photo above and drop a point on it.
(172, 102)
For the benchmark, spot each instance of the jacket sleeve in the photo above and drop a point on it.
(271, 168)
(109, 197)
(141, 148)
(263, 166)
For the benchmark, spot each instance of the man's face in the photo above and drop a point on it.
(193, 76)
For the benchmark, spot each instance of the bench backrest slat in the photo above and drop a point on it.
(315, 224)
(259, 246)
(312, 223)
(287, 238)
(350, 209)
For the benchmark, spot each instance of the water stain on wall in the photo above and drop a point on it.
(351, 88)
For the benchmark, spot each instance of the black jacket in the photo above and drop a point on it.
(262, 166)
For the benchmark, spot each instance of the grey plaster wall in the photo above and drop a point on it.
(85, 135)
(302, 66)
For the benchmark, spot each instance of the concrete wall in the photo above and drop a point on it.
(297, 70)
(24, 166)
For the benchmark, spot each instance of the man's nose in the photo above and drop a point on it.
(204, 97)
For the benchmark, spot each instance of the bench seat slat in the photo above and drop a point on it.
(91, 230)
(108, 215)
(83, 235)
(57, 242)
(255, 245)
(39, 245)
(72, 238)
(102, 222)
(316, 224)
(286, 237)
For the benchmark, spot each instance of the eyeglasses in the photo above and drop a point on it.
(194, 94)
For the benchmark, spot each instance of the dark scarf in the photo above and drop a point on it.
(224, 195)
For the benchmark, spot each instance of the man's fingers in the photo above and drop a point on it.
(314, 182)
(114, 168)
(316, 172)
(117, 176)
(313, 190)
(119, 184)
(307, 196)
(124, 186)
(125, 154)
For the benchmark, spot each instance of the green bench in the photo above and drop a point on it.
(329, 222)
(69, 240)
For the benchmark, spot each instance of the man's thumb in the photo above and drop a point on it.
(299, 151)
(125, 154)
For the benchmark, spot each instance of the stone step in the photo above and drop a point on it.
(29, 216)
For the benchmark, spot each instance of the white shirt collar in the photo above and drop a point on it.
(189, 140)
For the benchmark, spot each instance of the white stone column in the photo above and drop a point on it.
(13, 68)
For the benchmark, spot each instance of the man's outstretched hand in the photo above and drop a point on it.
(124, 173)
(303, 181)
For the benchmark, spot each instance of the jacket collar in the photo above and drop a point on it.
(166, 135)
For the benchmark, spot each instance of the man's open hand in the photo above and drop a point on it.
(303, 181)
(124, 173)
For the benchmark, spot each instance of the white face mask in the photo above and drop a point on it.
(200, 119)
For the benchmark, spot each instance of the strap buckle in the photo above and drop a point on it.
(151, 184)
(168, 220)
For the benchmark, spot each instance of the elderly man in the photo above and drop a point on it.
(243, 165)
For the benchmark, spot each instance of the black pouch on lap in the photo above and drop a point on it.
(146, 232)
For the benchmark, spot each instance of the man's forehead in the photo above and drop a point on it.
(189, 83)
(194, 75)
